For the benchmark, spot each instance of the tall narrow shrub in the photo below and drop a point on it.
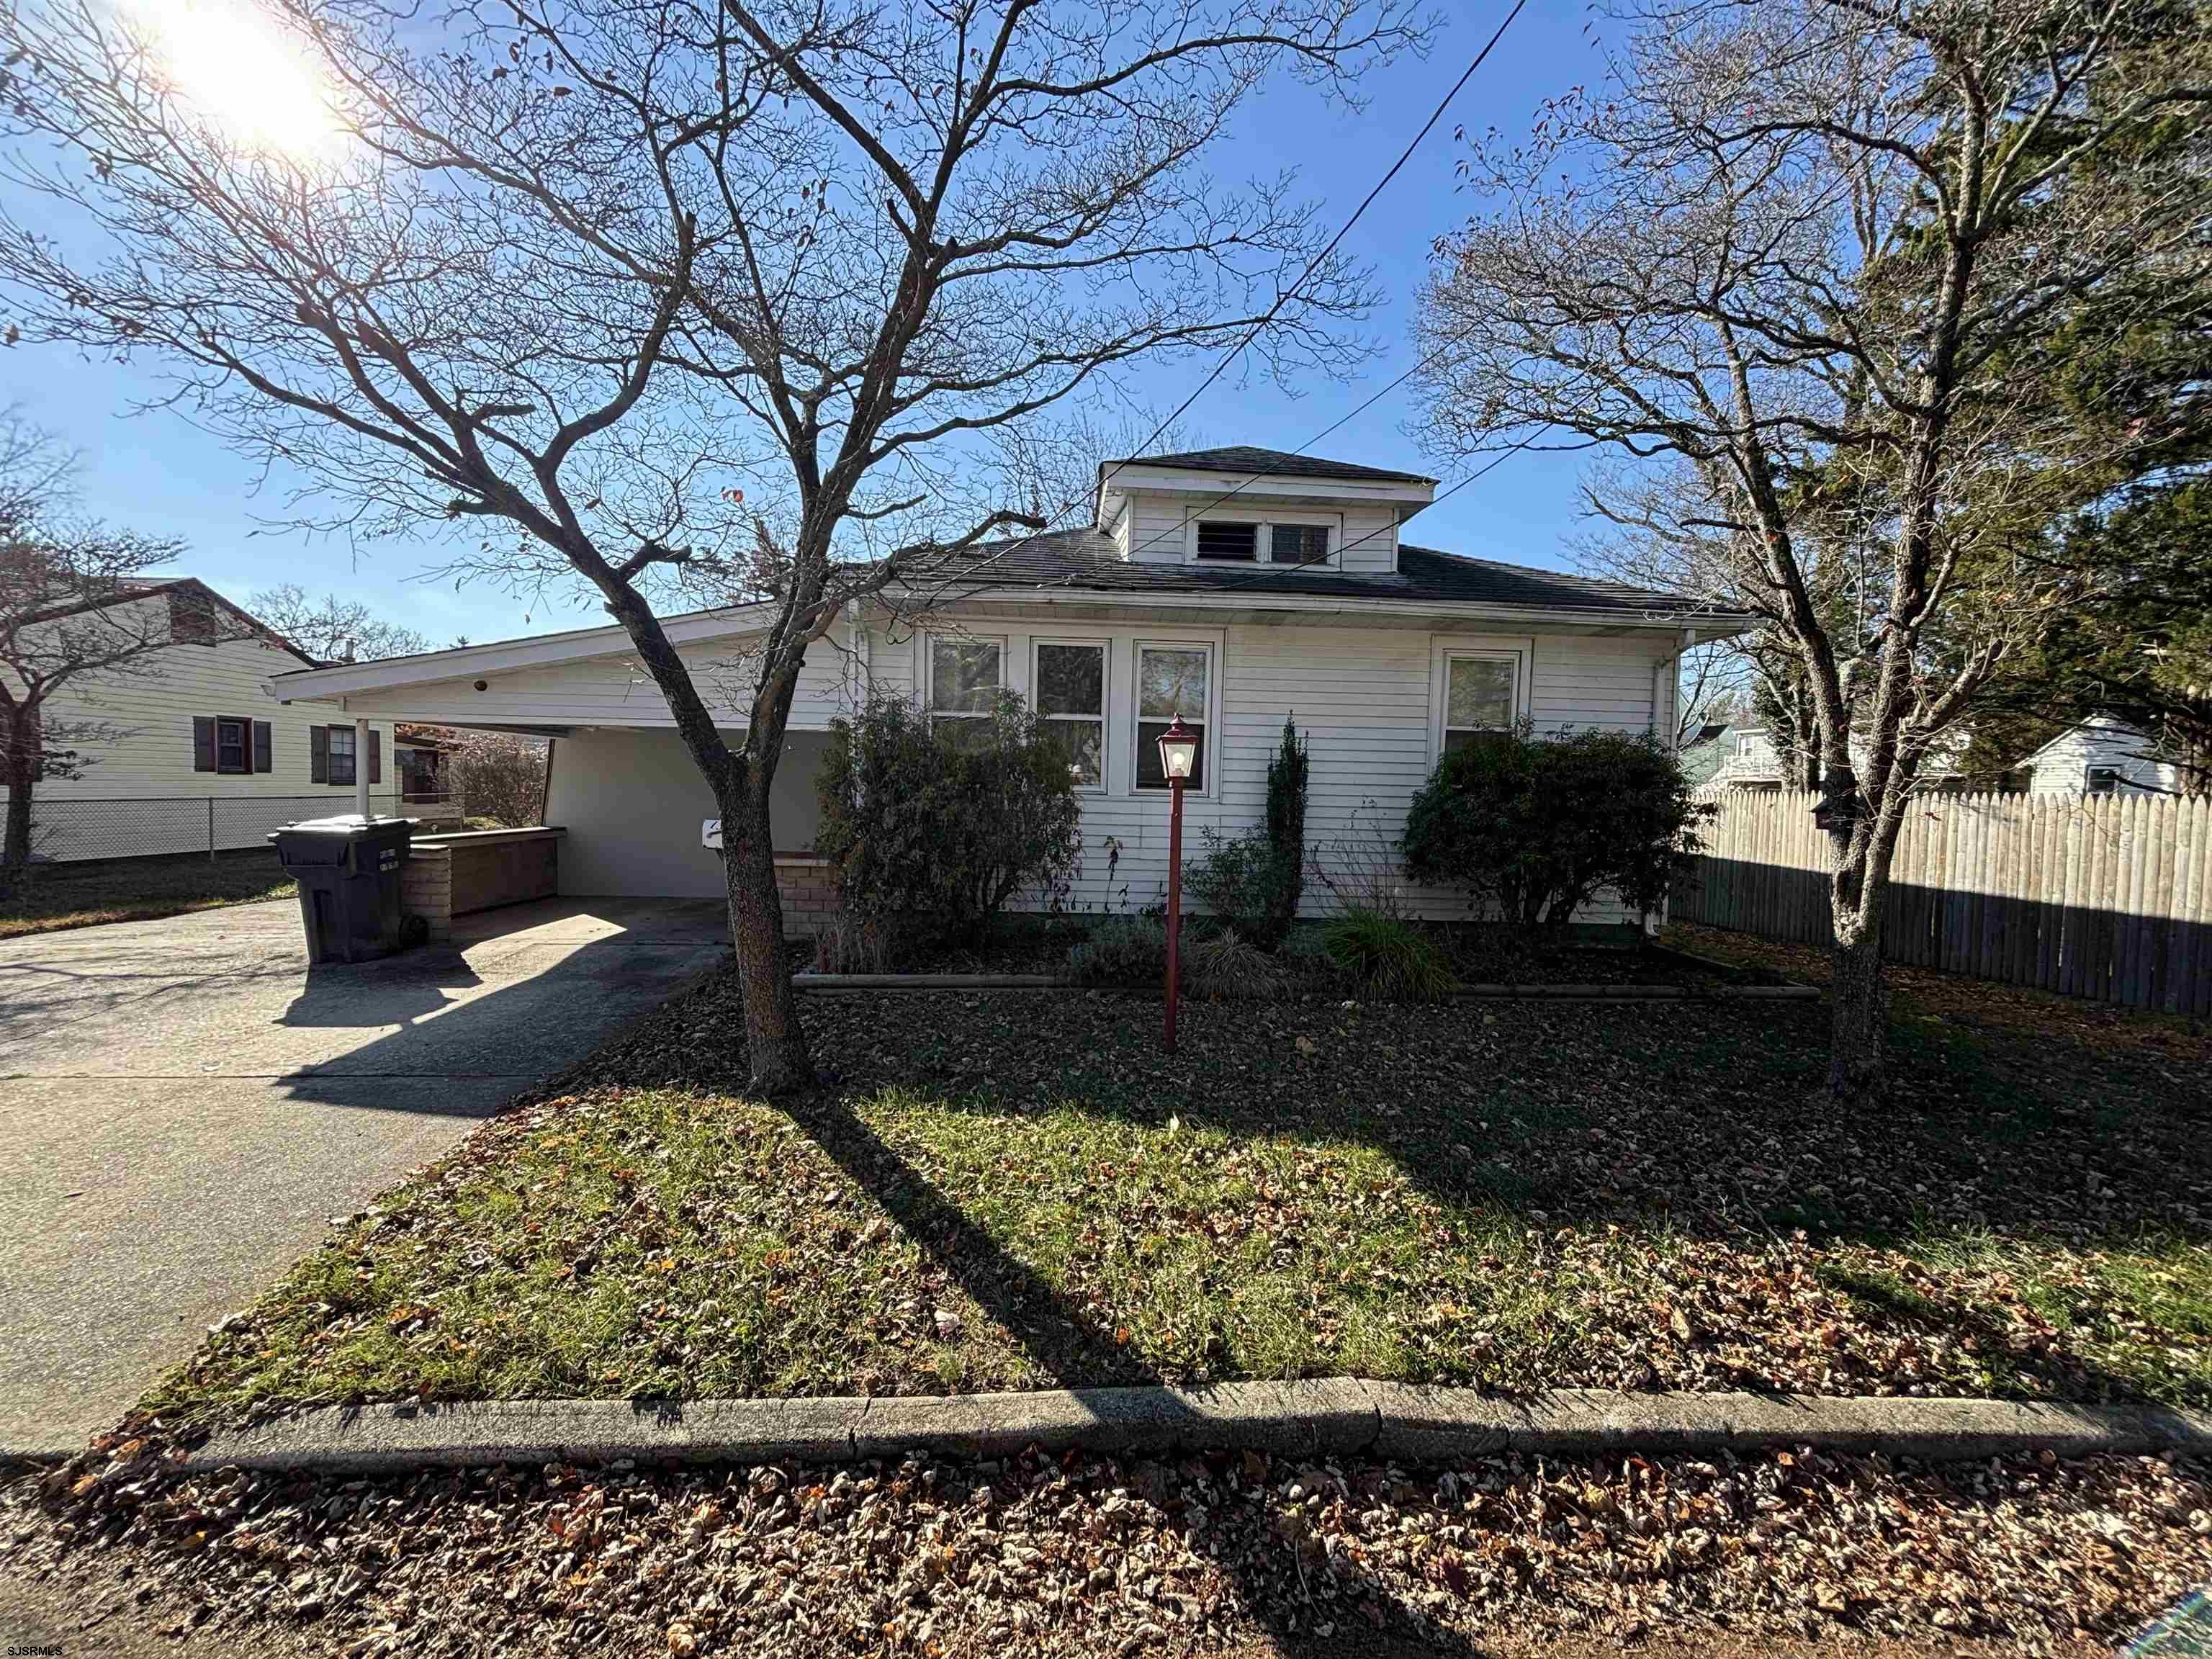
(1286, 829)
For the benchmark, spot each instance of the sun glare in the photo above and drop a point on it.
(236, 65)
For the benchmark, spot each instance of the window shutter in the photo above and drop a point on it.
(318, 754)
(203, 743)
(375, 755)
(261, 747)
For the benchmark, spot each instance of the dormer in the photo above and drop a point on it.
(1260, 509)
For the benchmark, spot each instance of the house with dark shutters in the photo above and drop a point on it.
(191, 755)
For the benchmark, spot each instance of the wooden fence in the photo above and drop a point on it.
(2106, 896)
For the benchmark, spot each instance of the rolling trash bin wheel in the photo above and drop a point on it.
(348, 869)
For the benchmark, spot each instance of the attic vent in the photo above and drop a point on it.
(1217, 540)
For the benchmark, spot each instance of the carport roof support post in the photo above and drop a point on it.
(361, 767)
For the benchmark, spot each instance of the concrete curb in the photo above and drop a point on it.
(1465, 993)
(1313, 1419)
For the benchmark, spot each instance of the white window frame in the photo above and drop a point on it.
(1265, 518)
(927, 643)
(1443, 649)
(1138, 644)
(1103, 645)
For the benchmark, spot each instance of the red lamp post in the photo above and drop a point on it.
(1178, 756)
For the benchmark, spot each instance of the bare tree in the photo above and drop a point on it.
(713, 300)
(75, 610)
(1789, 265)
(332, 629)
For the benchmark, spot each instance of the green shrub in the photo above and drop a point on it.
(1386, 959)
(1122, 951)
(1252, 883)
(1227, 967)
(1286, 833)
(1238, 880)
(941, 833)
(1535, 828)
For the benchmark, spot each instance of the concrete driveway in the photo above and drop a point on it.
(186, 1105)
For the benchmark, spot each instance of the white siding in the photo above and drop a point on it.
(1364, 699)
(1365, 535)
(153, 713)
(616, 691)
(2063, 765)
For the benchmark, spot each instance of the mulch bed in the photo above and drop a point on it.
(1018, 1189)
(1081, 1555)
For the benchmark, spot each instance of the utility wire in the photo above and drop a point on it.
(1290, 293)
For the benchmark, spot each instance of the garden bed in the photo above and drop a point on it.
(1050, 947)
(1018, 1189)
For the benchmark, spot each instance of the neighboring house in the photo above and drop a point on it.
(1235, 588)
(1705, 751)
(1749, 759)
(195, 754)
(2100, 756)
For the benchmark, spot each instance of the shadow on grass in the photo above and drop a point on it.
(1068, 1347)
(1993, 1156)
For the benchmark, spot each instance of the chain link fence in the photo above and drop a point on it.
(66, 831)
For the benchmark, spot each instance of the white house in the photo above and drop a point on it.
(1234, 587)
(192, 754)
(1749, 759)
(2099, 757)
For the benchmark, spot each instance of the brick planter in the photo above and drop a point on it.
(809, 893)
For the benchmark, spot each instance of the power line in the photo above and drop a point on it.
(1290, 293)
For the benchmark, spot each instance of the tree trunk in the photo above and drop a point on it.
(19, 773)
(1859, 989)
(776, 1045)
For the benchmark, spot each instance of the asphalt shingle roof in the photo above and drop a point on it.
(1086, 559)
(1268, 463)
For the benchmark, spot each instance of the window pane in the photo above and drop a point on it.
(1227, 541)
(342, 741)
(1071, 679)
(1481, 694)
(1469, 739)
(1301, 543)
(963, 676)
(1172, 683)
(1084, 743)
(1150, 774)
(964, 734)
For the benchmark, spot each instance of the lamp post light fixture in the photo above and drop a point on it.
(1178, 756)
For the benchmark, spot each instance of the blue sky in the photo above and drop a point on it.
(157, 473)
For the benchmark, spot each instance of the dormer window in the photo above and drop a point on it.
(1268, 541)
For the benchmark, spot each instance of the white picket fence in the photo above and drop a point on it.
(2106, 897)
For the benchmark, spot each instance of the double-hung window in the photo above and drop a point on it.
(1173, 682)
(342, 758)
(1071, 703)
(965, 678)
(232, 745)
(1479, 696)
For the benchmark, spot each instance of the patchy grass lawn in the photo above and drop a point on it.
(1016, 1190)
(62, 895)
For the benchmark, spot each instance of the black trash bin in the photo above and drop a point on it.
(348, 869)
